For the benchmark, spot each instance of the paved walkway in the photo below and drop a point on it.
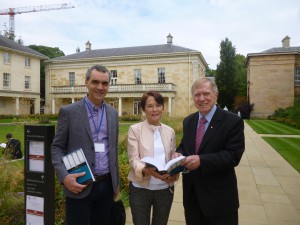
(269, 188)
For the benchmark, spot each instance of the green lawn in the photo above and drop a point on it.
(271, 127)
(18, 133)
(288, 148)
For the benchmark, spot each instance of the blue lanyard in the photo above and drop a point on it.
(103, 109)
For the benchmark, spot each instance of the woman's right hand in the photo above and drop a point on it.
(151, 171)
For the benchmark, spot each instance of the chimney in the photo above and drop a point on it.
(169, 39)
(77, 50)
(286, 42)
(88, 46)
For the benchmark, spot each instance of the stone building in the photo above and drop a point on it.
(19, 78)
(273, 78)
(166, 68)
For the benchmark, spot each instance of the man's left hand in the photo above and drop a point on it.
(192, 162)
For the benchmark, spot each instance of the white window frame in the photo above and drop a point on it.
(6, 57)
(137, 76)
(297, 76)
(72, 79)
(136, 107)
(161, 75)
(27, 84)
(6, 80)
(27, 62)
(114, 77)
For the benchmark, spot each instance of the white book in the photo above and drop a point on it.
(172, 167)
(75, 162)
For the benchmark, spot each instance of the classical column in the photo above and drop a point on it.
(73, 100)
(53, 105)
(170, 106)
(17, 106)
(120, 106)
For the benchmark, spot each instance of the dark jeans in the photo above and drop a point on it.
(94, 209)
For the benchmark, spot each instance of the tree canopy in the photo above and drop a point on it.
(51, 52)
(226, 75)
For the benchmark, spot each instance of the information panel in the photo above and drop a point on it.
(39, 175)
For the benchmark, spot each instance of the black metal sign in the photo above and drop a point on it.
(39, 175)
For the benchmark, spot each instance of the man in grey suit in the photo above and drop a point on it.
(92, 125)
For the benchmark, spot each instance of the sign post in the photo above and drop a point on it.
(39, 182)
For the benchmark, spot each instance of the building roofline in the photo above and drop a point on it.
(8, 44)
(127, 57)
(270, 54)
(24, 53)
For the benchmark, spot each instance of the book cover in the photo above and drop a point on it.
(172, 167)
(75, 162)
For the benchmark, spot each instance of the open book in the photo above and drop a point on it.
(3, 145)
(172, 167)
(75, 162)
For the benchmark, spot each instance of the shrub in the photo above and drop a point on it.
(11, 193)
(130, 118)
(290, 115)
(44, 120)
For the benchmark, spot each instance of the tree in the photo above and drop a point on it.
(48, 51)
(51, 53)
(241, 75)
(11, 35)
(226, 75)
(210, 72)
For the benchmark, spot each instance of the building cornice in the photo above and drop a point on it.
(270, 54)
(22, 52)
(129, 57)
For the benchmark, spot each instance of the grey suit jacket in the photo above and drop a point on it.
(73, 132)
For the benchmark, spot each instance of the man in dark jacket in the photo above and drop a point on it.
(13, 148)
(213, 143)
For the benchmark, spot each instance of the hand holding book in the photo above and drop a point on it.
(75, 163)
(172, 167)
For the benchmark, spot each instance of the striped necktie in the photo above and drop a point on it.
(200, 133)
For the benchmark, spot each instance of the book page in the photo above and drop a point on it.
(174, 162)
(153, 162)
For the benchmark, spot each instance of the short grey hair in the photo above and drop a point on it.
(203, 80)
(99, 68)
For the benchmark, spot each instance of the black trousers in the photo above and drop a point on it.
(94, 209)
(194, 215)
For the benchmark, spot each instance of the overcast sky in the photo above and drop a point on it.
(251, 25)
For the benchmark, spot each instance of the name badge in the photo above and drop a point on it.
(99, 147)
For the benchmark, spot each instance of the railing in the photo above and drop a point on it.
(169, 87)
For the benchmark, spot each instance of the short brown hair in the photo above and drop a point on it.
(157, 96)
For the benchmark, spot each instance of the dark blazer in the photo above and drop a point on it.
(73, 132)
(13, 149)
(220, 151)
